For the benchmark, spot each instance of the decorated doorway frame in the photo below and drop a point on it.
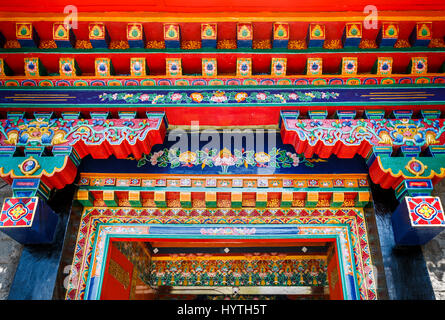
(100, 225)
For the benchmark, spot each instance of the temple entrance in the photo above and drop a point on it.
(163, 236)
(229, 269)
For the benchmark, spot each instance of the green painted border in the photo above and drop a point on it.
(336, 237)
(357, 291)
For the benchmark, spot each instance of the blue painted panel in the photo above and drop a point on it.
(136, 43)
(280, 43)
(327, 96)
(208, 43)
(285, 161)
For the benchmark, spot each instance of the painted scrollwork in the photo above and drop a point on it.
(34, 132)
(67, 132)
(376, 132)
(225, 159)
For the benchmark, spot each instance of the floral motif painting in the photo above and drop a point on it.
(219, 97)
(172, 158)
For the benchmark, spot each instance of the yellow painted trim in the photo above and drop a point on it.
(392, 16)
(82, 194)
(188, 77)
(312, 196)
(364, 196)
(108, 195)
(338, 196)
(159, 196)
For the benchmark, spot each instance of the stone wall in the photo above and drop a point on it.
(434, 252)
(10, 251)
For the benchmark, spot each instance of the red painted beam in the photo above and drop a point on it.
(226, 30)
(226, 62)
(220, 5)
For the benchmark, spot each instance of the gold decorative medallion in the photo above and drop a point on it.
(415, 167)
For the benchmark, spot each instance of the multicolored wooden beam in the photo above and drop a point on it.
(244, 35)
(98, 35)
(228, 192)
(421, 34)
(209, 67)
(138, 67)
(280, 35)
(26, 35)
(173, 67)
(208, 35)
(388, 34)
(68, 68)
(352, 34)
(316, 35)
(34, 67)
(213, 199)
(56, 80)
(63, 35)
(244, 67)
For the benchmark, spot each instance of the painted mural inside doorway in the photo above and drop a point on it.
(214, 270)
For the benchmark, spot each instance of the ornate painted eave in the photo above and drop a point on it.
(70, 140)
(234, 106)
(212, 192)
(348, 137)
